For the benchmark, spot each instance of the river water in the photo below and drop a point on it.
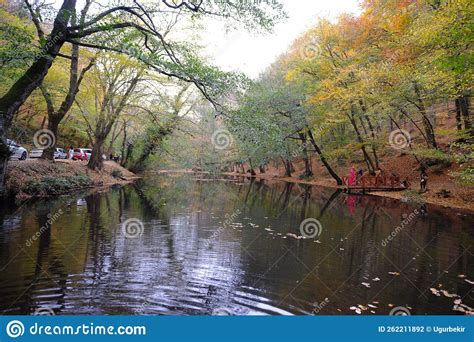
(186, 245)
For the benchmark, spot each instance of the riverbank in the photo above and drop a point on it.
(443, 190)
(36, 178)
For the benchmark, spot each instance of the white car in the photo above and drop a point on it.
(60, 153)
(36, 153)
(17, 152)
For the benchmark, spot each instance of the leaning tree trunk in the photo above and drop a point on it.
(307, 162)
(368, 160)
(428, 127)
(33, 77)
(323, 159)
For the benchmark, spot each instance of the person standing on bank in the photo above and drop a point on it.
(423, 181)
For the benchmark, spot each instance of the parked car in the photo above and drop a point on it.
(81, 154)
(88, 152)
(60, 153)
(36, 153)
(17, 152)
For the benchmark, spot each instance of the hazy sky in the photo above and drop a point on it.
(251, 54)
(239, 50)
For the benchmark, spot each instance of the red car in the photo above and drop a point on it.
(81, 154)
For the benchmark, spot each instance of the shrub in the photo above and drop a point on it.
(56, 185)
(116, 173)
(464, 177)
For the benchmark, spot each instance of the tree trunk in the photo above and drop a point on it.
(31, 79)
(261, 168)
(368, 160)
(96, 161)
(464, 108)
(458, 114)
(53, 126)
(323, 159)
(428, 127)
(287, 166)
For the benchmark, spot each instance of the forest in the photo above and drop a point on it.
(344, 91)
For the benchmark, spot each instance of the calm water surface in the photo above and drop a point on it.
(222, 247)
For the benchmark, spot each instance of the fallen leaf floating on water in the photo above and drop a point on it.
(366, 284)
(390, 305)
(458, 305)
(467, 310)
(294, 236)
(268, 230)
(449, 295)
(376, 279)
(317, 241)
(394, 273)
(356, 309)
(469, 281)
(462, 276)
(371, 306)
